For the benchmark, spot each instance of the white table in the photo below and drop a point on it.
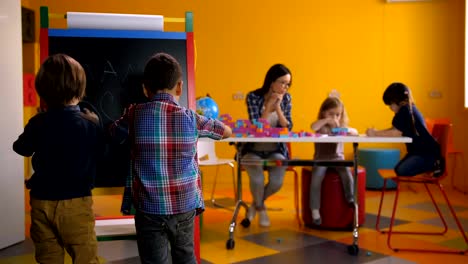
(355, 140)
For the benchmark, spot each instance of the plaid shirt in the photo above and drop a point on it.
(255, 104)
(164, 177)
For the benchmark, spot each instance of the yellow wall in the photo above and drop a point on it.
(356, 47)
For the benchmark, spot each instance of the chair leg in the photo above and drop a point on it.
(460, 227)
(234, 182)
(377, 222)
(213, 201)
(438, 211)
(296, 198)
(212, 198)
(441, 216)
(392, 219)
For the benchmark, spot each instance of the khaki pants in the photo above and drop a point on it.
(64, 224)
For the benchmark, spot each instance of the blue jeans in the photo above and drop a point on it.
(161, 238)
(412, 165)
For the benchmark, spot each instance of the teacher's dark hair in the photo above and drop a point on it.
(273, 73)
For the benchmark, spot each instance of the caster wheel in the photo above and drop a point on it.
(245, 222)
(230, 243)
(353, 250)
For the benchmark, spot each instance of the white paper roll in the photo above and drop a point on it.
(114, 21)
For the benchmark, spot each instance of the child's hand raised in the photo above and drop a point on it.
(332, 122)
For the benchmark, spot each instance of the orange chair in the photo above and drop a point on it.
(296, 186)
(452, 151)
(441, 133)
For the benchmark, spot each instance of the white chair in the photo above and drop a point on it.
(207, 157)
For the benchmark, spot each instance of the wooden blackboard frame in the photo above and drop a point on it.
(49, 36)
(190, 72)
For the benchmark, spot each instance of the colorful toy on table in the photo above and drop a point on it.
(339, 131)
(259, 128)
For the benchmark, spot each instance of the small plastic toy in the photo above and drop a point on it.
(339, 131)
(260, 128)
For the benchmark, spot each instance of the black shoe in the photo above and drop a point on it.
(317, 221)
(439, 167)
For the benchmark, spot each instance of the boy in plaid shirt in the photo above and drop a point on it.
(164, 183)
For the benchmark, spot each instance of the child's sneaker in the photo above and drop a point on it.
(317, 221)
(263, 219)
(439, 167)
(316, 217)
(251, 213)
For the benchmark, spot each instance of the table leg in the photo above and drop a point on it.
(354, 248)
(230, 243)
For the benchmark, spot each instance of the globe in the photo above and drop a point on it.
(206, 106)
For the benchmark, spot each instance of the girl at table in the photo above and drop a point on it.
(273, 103)
(331, 115)
(424, 151)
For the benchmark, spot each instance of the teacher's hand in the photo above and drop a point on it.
(277, 99)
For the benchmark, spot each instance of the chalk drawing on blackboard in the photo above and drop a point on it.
(108, 100)
(130, 71)
(110, 69)
(114, 69)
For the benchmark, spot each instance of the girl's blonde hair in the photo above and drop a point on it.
(334, 102)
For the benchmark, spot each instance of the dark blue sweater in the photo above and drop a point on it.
(423, 142)
(64, 148)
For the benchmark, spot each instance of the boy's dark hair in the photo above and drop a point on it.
(60, 80)
(273, 73)
(397, 93)
(162, 71)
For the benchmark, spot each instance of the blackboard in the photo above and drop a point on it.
(114, 61)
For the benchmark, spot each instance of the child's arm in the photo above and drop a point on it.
(119, 129)
(211, 128)
(25, 144)
(227, 131)
(91, 116)
(317, 125)
(352, 131)
(389, 132)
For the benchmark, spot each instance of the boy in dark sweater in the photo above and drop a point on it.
(64, 143)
